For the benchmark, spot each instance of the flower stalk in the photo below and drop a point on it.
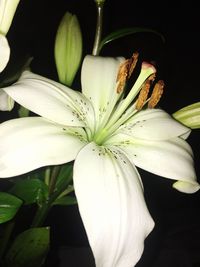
(99, 25)
(53, 179)
(54, 193)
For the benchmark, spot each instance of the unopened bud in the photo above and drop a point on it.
(4, 52)
(7, 11)
(189, 115)
(68, 48)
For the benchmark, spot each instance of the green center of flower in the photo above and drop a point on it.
(129, 106)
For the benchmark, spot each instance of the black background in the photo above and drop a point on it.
(175, 240)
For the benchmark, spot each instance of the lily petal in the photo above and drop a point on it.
(172, 159)
(4, 52)
(110, 187)
(100, 85)
(54, 101)
(154, 124)
(29, 143)
(6, 102)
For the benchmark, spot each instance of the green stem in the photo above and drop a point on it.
(53, 178)
(41, 214)
(44, 208)
(99, 25)
(47, 175)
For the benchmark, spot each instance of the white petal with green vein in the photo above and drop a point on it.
(171, 159)
(100, 85)
(157, 125)
(30, 143)
(112, 206)
(51, 100)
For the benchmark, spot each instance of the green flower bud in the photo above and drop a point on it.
(189, 115)
(68, 48)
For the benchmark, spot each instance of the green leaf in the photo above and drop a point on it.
(29, 249)
(124, 32)
(65, 201)
(9, 206)
(30, 190)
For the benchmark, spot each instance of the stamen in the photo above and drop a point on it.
(144, 92)
(156, 94)
(122, 75)
(125, 71)
(132, 63)
(143, 95)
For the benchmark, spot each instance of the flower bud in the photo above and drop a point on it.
(4, 52)
(189, 115)
(68, 48)
(7, 11)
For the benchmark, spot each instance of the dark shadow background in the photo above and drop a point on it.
(175, 240)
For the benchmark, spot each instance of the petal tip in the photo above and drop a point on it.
(186, 187)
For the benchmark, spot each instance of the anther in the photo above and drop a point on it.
(156, 94)
(143, 95)
(122, 75)
(144, 92)
(132, 63)
(125, 71)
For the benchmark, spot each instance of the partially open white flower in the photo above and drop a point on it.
(7, 11)
(108, 136)
(4, 52)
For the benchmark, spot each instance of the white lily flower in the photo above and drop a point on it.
(108, 137)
